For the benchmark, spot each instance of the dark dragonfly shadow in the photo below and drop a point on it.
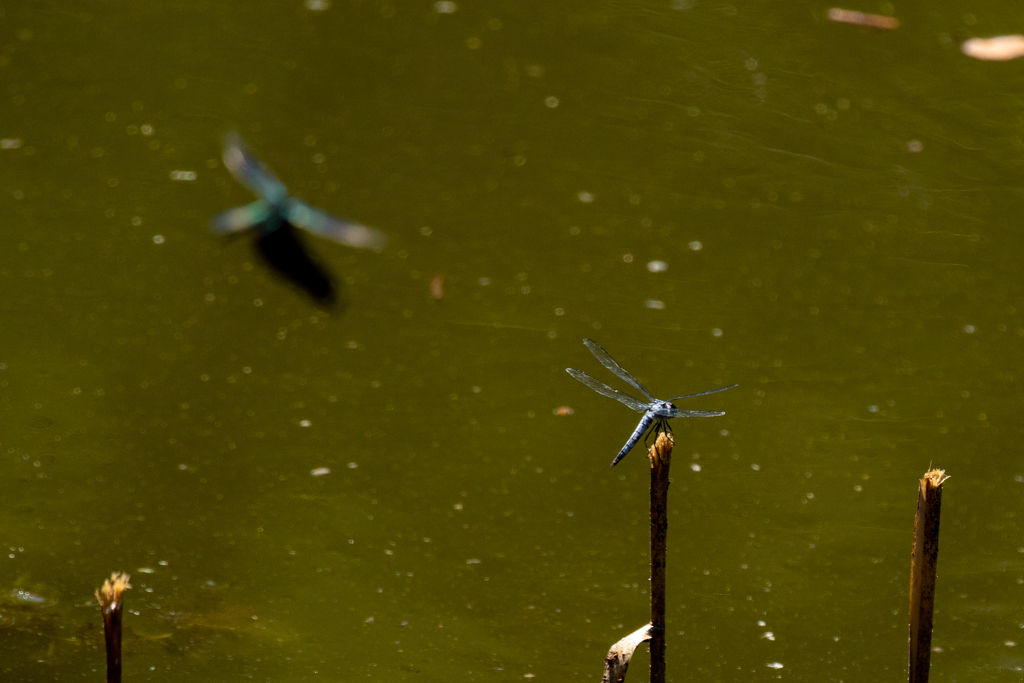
(274, 217)
(656, 413)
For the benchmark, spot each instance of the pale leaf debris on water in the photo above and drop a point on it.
(846, 16)
(994, 49)
(437, 286)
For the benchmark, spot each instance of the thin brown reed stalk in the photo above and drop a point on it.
(661, 459)
(922, 573)
(617, 661)
(111, 602)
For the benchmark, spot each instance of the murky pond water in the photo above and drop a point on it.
(825, 214)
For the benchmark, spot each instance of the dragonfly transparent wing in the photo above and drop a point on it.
(605, 390)
(250, 171)
(609, 362)
(340, 230)
(241, 218)
(704, 393)
(678, 412)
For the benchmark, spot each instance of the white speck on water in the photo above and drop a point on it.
(320, 471)
(305, 423)
(353, 465)
(970, 329)
(872, 409)
(182, 467)
(551, 102)
(755, 467)
(585, 197)
(183, 175)
(655, 304)
(445, 7)
(145, 570)
(473, 561)
(768, 635)
(484, 281)
(695, 467)
(657, 266)
(10, 143)
(774, 665)
(696, 246)
(158, 239)
(318, 5)
(716, 332)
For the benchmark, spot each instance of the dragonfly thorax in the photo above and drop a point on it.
(661, 408)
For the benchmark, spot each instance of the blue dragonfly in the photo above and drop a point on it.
(274, 216)
(656, 412)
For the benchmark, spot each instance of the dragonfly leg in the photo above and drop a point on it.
(659, 426)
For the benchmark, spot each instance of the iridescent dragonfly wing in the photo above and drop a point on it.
(323, 224)
(605, 390)
(704, 393)
(250, 171)
(609, 362)
(241, 218)
(678, 412)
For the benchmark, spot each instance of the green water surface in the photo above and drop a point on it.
(838, 209)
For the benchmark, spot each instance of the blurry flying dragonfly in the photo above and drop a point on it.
(275, 215)
(656, 412)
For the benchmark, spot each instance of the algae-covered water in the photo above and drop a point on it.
(827, 215)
